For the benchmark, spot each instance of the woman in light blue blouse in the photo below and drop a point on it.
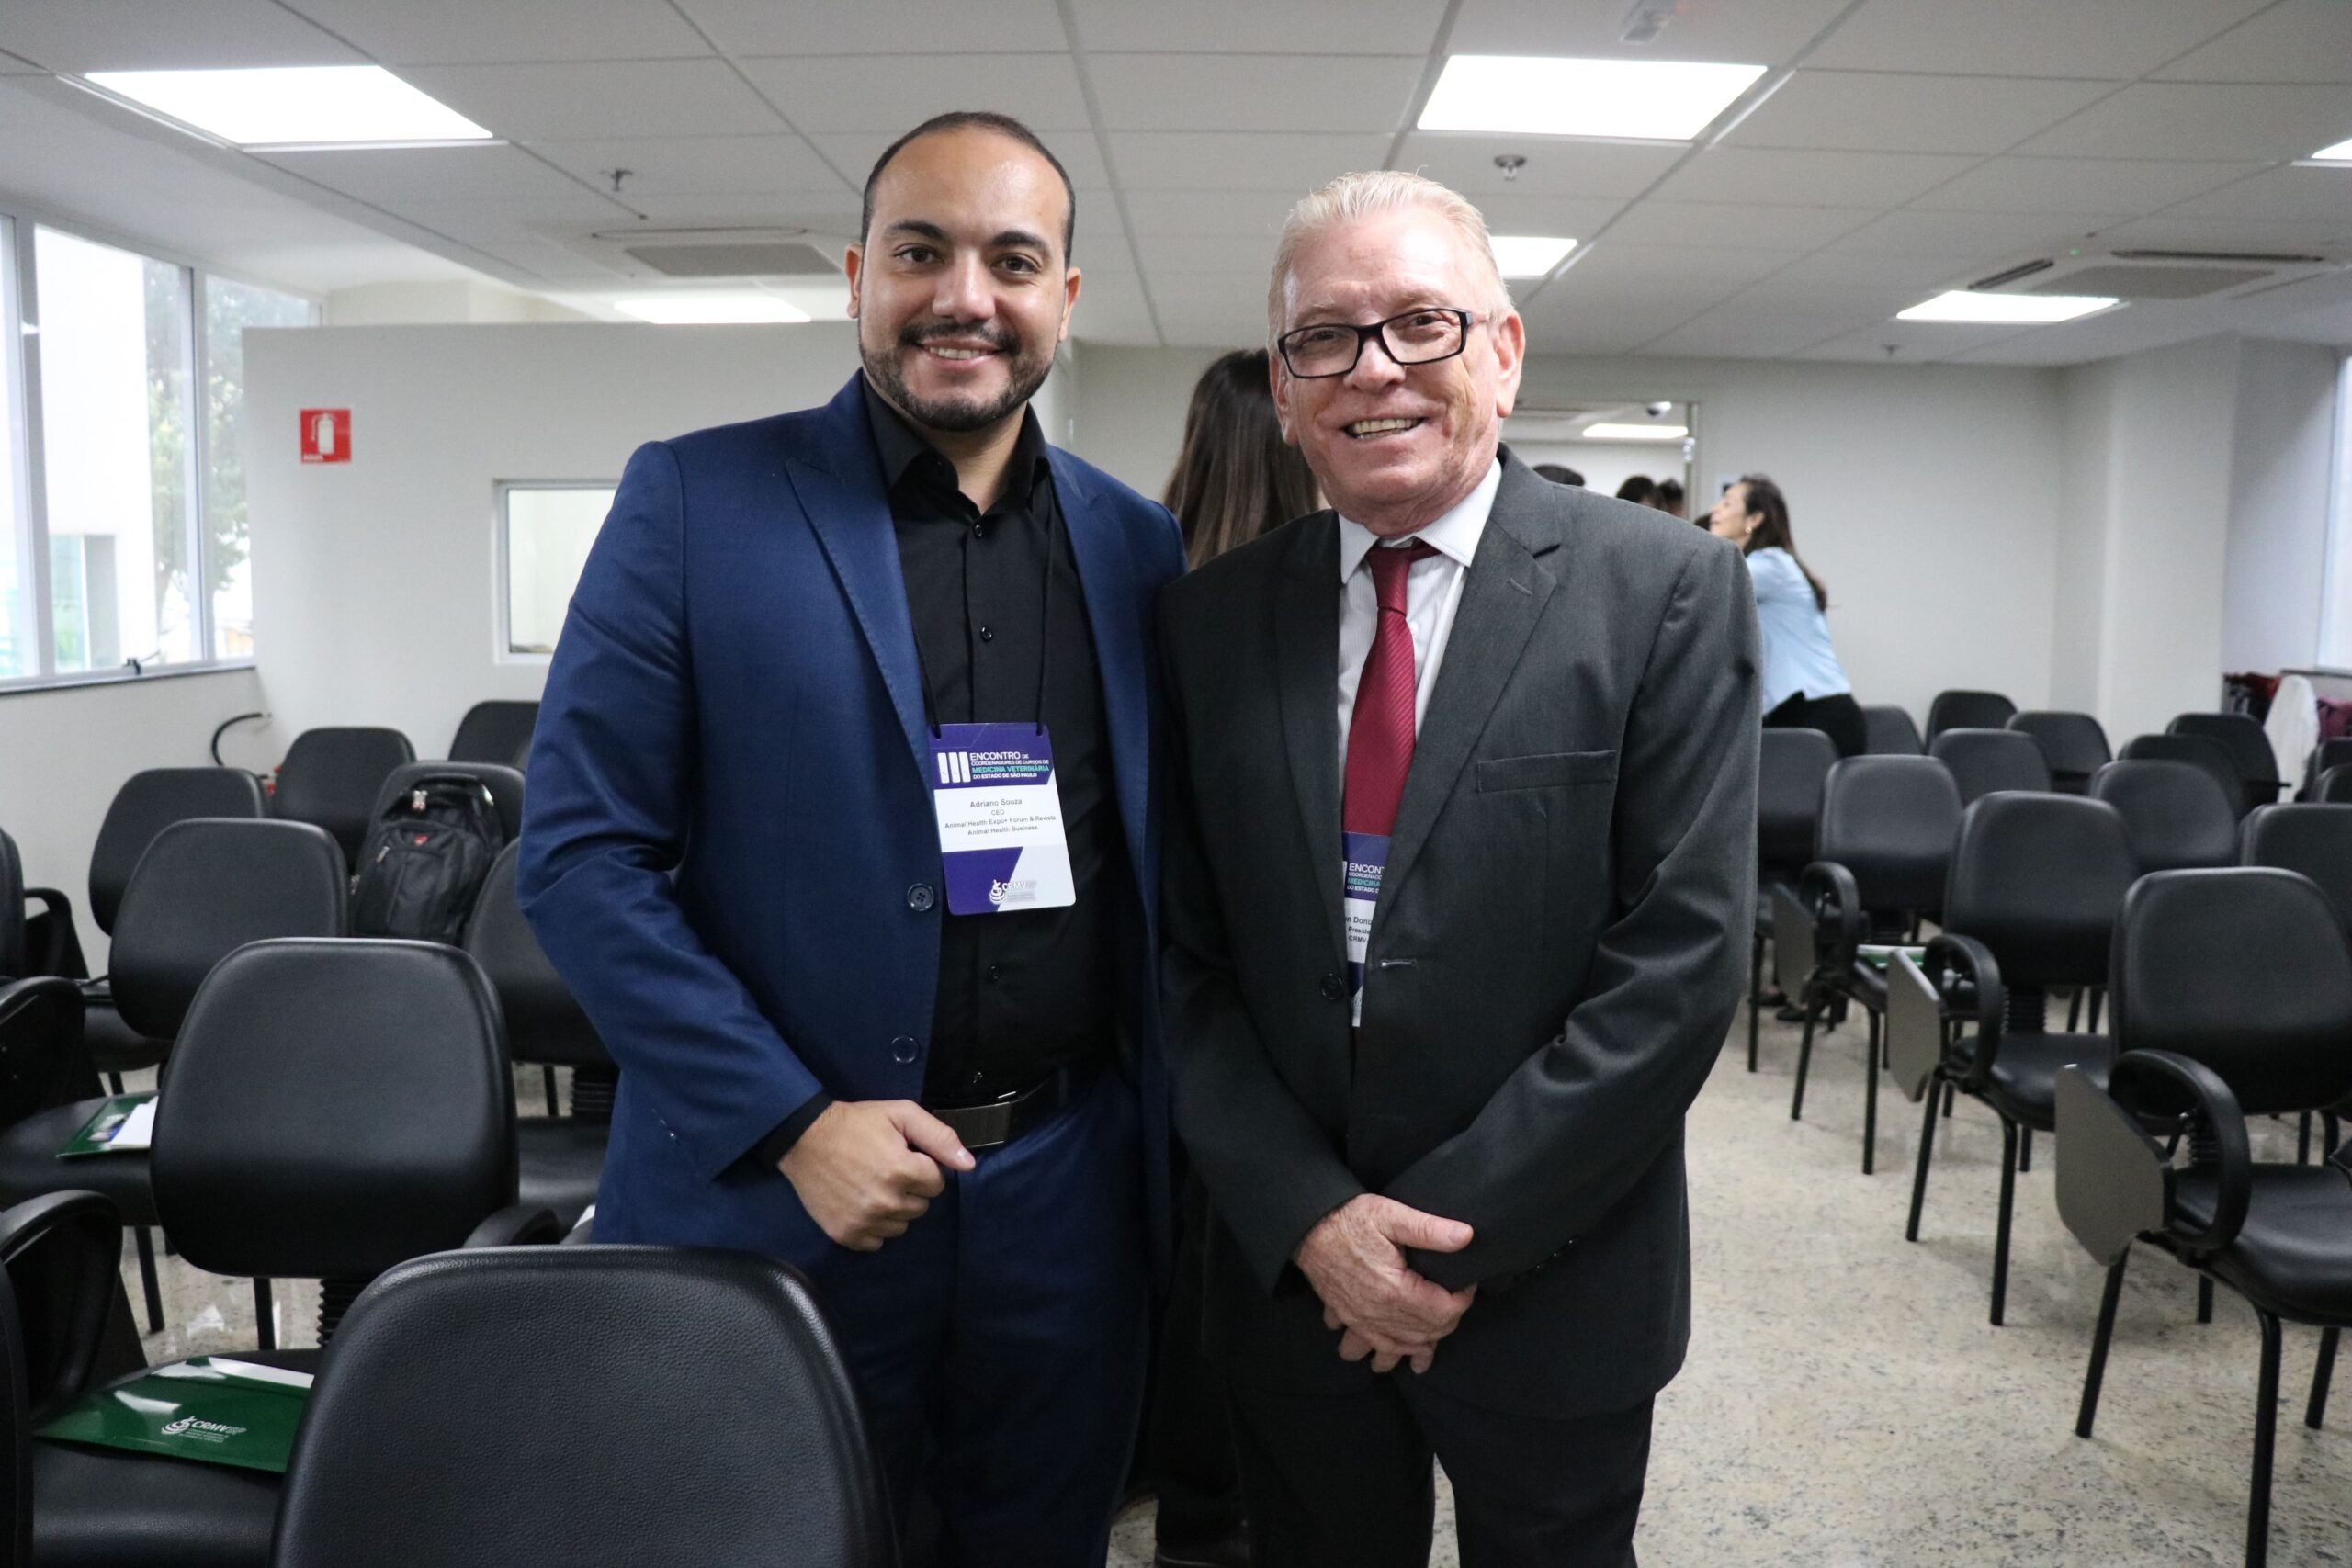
(1804, 686)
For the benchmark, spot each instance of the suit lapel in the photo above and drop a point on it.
(1306, 669)
(1502, 599)
(847, 507)
(1106, 572)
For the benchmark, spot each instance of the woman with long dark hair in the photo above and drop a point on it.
(1236, 478)
(1804, 686)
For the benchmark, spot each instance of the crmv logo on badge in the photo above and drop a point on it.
(208, 1431)
(1022, 892)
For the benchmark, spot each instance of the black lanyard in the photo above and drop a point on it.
(1044, 629)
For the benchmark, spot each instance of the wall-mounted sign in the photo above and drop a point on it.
(326, 436)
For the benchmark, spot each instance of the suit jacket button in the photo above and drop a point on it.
(903, 1049)
(918, 897)
(1335, 989)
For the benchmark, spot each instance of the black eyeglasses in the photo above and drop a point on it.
(1417, 337)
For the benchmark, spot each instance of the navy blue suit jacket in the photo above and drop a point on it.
(728, 849)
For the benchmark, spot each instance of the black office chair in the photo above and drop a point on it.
(562, 1157)
(2035, 882)
(335, 1107)
(2233, 998)
(505, 784)
(2327, 754)
(2249, 748)
(1887, 826)
(203, 890)
(2313, 840)
(726, 1430)
(2072, 743)
(148, 802)
(1790, 772)
(1982, 761)
(1892, 733)
(496, 732)
(2200, 752)
(1968, 710)
(2176, 815)
(332, 777)
(2334, 786)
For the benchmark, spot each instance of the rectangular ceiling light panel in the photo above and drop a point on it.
(2339, 154)
(1530, 255)
(315, 106)
(1652, 100)
(1976, 308)
(1636, 432)
(709, 309)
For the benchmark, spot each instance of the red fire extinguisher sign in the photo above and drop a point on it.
(326, 436)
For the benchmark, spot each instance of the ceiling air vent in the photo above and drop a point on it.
(2150, 274)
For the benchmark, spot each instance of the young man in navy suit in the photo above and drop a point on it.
(842, 829)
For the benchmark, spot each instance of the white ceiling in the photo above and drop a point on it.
(1895, 148)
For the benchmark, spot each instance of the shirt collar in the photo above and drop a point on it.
(900, 447)
(1455, 534)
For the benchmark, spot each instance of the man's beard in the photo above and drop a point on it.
(1024, 375)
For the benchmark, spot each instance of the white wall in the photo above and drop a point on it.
(2280, 476)
(1925, 496)
(375, 582)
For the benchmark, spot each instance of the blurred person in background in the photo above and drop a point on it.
(1560, 474)
(1804, 686)
(1639, 489)
(1236, 478)
(1670, 498)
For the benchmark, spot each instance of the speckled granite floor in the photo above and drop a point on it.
(1846, 1403)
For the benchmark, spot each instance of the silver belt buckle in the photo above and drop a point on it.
(986, 1127)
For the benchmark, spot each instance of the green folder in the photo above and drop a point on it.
(211, 1409)
(98, 1133)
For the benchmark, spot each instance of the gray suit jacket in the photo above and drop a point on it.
(1557, 953)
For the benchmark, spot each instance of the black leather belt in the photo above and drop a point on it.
(992, 1124)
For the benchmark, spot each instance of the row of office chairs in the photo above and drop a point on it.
(334, 777)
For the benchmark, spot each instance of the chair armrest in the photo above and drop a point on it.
(517, 1224)
(61, 951)
(76, 1284)
(2161, 1084)
(1828, 889)
(1969, 978)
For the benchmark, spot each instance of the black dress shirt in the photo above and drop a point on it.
(1020, 995)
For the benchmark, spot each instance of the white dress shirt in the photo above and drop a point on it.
(1432, 595)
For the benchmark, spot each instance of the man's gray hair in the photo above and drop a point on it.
(1358, 196)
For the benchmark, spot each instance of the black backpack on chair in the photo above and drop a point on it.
(422, 865)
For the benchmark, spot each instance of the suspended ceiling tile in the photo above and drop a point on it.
(1751, 34)
(2289, 195)
(854, 154)
(2024, 38)
(1908, 112)
(1557, 165)
(803, 26)
(2298, 40)
(1249, 256)
(1207, 213)
(1914, 343)
(554, 262)
(392, 177)
(1236, 160)
(2168, 230)
(165, 35)
(1208, 312)
(1976, 236)
(1784, 177)
(469, 32)
(1571, 217)
(1296, 27)
(2197, 119)
(2064, 186)
(1715, 223)
(893, 94)
(1608, 266)
(600, 98)
(1738, 329)
(1254, 92)
(828, 216)
(673, 166)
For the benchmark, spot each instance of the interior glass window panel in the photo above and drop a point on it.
(19, 651)
(547, 529)
(230, 307)
(115, 346)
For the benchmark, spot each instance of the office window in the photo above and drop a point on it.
(229, 308)
(116, 342)
(19, 651)
(2335, 608)
(545, 531)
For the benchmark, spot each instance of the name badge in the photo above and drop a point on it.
(1000, 814)
(1365, 857)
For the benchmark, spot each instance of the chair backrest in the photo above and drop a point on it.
(2175, 813)
(2244, 969)
(2200, 752)
(331, 777)
(204, 890)
(334, 1108)
(14, 949)
(2327, 754)
(495, 732)
(2038, 879)
(650, 1405)
(2072, 743)
(544, 1023)
(146, 805)
(2238, 734)
(1891, 821)
(2316, 840)
(1982, 761)
(2335, 786)
(505, 784)
(1789, 776)
(1968, 710)
(1891, 732)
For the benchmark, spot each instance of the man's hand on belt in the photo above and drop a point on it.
(1355, 1259)
(867, 1169)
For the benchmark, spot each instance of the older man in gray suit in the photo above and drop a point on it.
(1457, 895)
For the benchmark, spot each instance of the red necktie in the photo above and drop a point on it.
(1380, 729)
